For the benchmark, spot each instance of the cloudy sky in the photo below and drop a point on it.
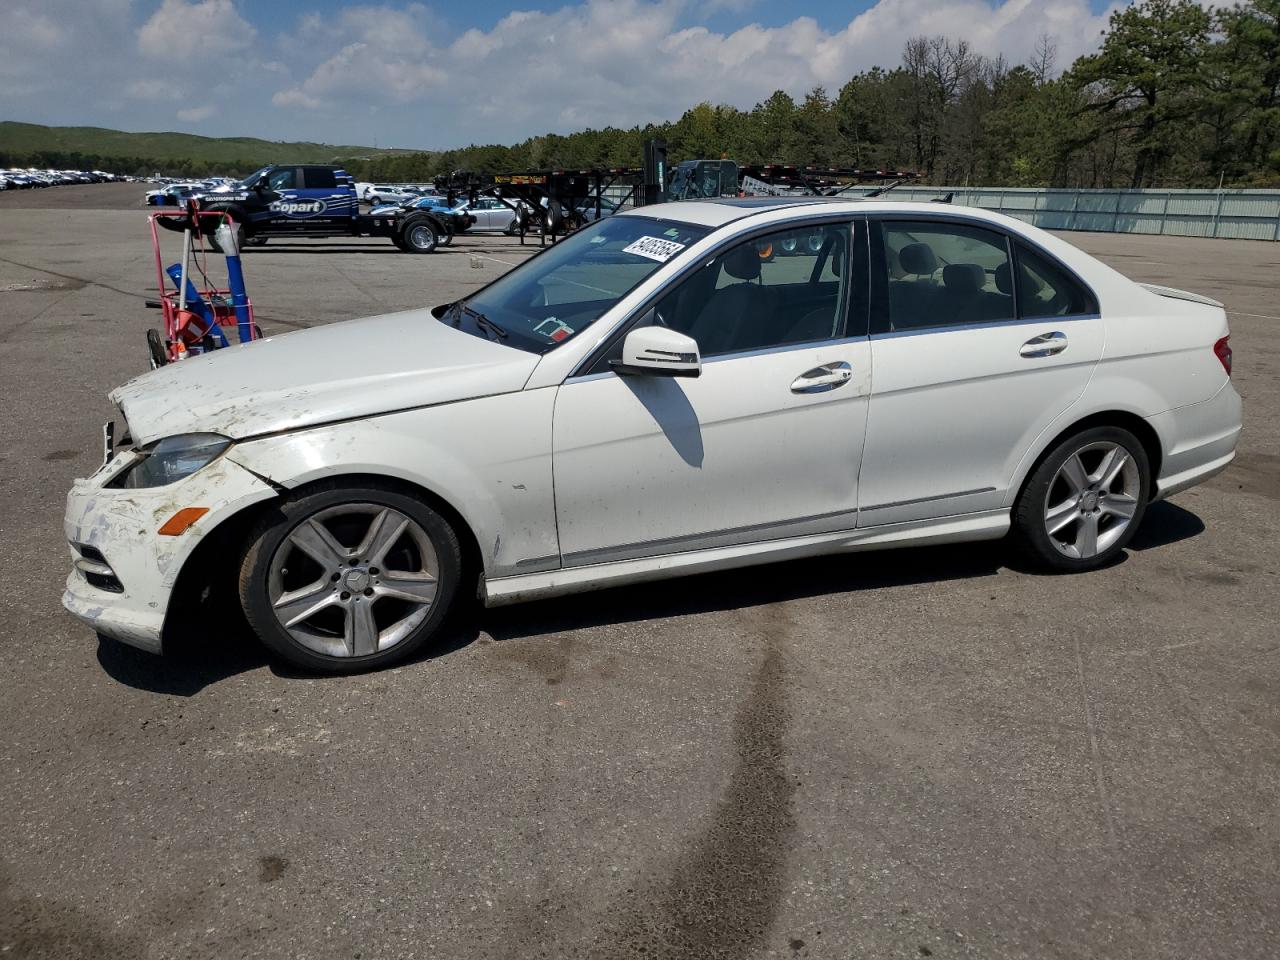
(444, 74)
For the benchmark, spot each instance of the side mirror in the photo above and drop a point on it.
(658, 352)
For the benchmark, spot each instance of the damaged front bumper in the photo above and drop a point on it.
(124, 569)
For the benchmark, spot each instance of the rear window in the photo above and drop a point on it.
(1046, 289)
(318, 179)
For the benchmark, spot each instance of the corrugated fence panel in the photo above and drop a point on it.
(1240, 214)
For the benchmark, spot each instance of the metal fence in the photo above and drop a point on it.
(1239, 214)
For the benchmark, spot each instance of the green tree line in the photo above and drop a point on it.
(1176, 96)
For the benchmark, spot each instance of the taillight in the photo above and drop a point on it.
(1222, 349)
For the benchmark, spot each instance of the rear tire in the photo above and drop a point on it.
(347, 579)
(1082, 504)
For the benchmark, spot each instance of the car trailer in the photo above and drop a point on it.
(695, 179)
(557, 196)
(560, 197)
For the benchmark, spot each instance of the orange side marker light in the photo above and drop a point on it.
(180, 521)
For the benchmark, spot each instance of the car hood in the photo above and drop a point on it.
(337, 372)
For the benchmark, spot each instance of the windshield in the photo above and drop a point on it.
(558, 294)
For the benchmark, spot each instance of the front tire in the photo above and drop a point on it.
(1083, 503)
(346, 579)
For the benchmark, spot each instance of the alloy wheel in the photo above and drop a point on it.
(353, 579)
(1092, 499)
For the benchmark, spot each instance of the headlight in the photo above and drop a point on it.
(169, 460)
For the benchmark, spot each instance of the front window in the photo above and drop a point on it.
(248, 182)
(781, 288)
(282, 179)
(559, 293)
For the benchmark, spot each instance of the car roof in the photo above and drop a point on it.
(718, 212)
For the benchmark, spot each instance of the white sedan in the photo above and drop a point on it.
(688, 387)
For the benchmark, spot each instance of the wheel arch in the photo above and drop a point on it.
(472, 559)
(1124, 419)
(233, 210)
(212, 567)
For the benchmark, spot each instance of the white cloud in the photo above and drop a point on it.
(196, 114)
(396, 73)
(623, 62)
(195, 32)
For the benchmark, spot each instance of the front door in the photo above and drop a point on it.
(968, 370)
(765, 444)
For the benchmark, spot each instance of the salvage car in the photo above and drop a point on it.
(661, 393)
(457, 218)
(493, 214)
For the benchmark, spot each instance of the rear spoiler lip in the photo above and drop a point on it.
(1175, 294)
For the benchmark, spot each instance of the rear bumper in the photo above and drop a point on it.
(1200, 440)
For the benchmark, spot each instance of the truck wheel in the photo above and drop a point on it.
(419, 236)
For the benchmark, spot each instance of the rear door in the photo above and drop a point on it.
(969, 366)
(323, 203)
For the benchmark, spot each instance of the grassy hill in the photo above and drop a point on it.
(20, 141)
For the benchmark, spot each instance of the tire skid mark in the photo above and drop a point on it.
(724, 891)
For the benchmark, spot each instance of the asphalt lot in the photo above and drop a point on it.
(892, 755)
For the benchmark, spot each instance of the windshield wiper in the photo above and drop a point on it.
(484, 323)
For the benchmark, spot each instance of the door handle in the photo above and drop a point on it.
(1045, 345)
(819, 379)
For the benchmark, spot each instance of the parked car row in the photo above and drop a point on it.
(484, 213)
(33, 178)
(173, 193)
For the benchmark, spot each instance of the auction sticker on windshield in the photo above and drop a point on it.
(655, 248)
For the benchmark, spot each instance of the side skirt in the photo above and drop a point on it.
(989, 525)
